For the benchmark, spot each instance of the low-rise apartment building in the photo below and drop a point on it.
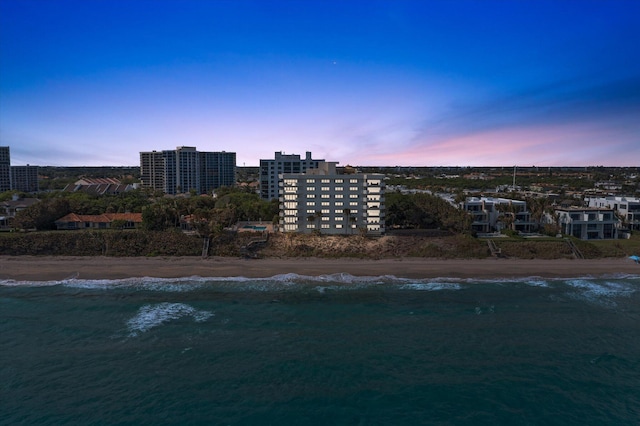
(324, 201)
(588, 223)
(494, 214)
(628, 208)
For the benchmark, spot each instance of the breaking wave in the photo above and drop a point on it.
(150, 316)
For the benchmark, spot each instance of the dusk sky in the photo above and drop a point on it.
(367, 83)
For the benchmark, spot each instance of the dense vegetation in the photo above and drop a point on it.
(159, 212)
(424, 211)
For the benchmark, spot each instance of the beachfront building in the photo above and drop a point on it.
(74, 221)
(627, 208)
(5, 169)
(185, 169)
(9, 209)
(270, 170)
(588, 223)
(321, 200)
(491, 214)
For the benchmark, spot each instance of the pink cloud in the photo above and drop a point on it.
(578, 144)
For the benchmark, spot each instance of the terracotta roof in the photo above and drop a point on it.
(102, 218)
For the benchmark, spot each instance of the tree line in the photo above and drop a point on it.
(210, 215)
(159, 212)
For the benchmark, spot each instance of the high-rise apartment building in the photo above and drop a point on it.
(152, 170)
(185, 169)
(5, 169)
(24, 178)
(271, 169)
(217, 169)
(324, 201)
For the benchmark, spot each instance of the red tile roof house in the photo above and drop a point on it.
(98, 221)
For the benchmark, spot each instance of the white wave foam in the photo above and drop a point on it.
(290, 281)
(430, 286)
(534, 282)
(150, 316)
(601, 292)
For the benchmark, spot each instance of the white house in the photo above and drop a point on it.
(588, 223)
(628, 208)
(486, 213)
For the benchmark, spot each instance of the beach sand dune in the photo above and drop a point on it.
(47, 268)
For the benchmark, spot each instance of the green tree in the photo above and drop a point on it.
(42, 215)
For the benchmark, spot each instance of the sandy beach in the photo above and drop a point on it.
(47, 268)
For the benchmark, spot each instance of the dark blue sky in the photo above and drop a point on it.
(364, 83)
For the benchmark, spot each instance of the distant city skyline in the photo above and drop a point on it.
(366, 83)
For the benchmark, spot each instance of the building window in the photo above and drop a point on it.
(353, 188)
(325, 211)
(339, 181)
(339, 196)
(353, 195)
(353, 180)
(325, 196)
(310, 226)
(311, 188)
(353, 203)
(311, 195)
(325, 181)
(324, 188)
(325, 203)
(311, 181)
(325, 226)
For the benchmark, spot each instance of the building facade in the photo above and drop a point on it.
(270, 170)
(494, 214)
(627, 208)
(152, 170)
(24, 178)
(588, 223)
(5, 169)
(321, 200)
(185, 169)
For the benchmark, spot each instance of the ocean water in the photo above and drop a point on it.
(331, 350)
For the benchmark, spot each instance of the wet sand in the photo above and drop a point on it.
(49, 268)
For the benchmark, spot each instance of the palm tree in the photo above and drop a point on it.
(507, 215)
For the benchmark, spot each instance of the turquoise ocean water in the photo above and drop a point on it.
(331, 350)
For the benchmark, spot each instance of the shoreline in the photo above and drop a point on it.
(54, 268)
